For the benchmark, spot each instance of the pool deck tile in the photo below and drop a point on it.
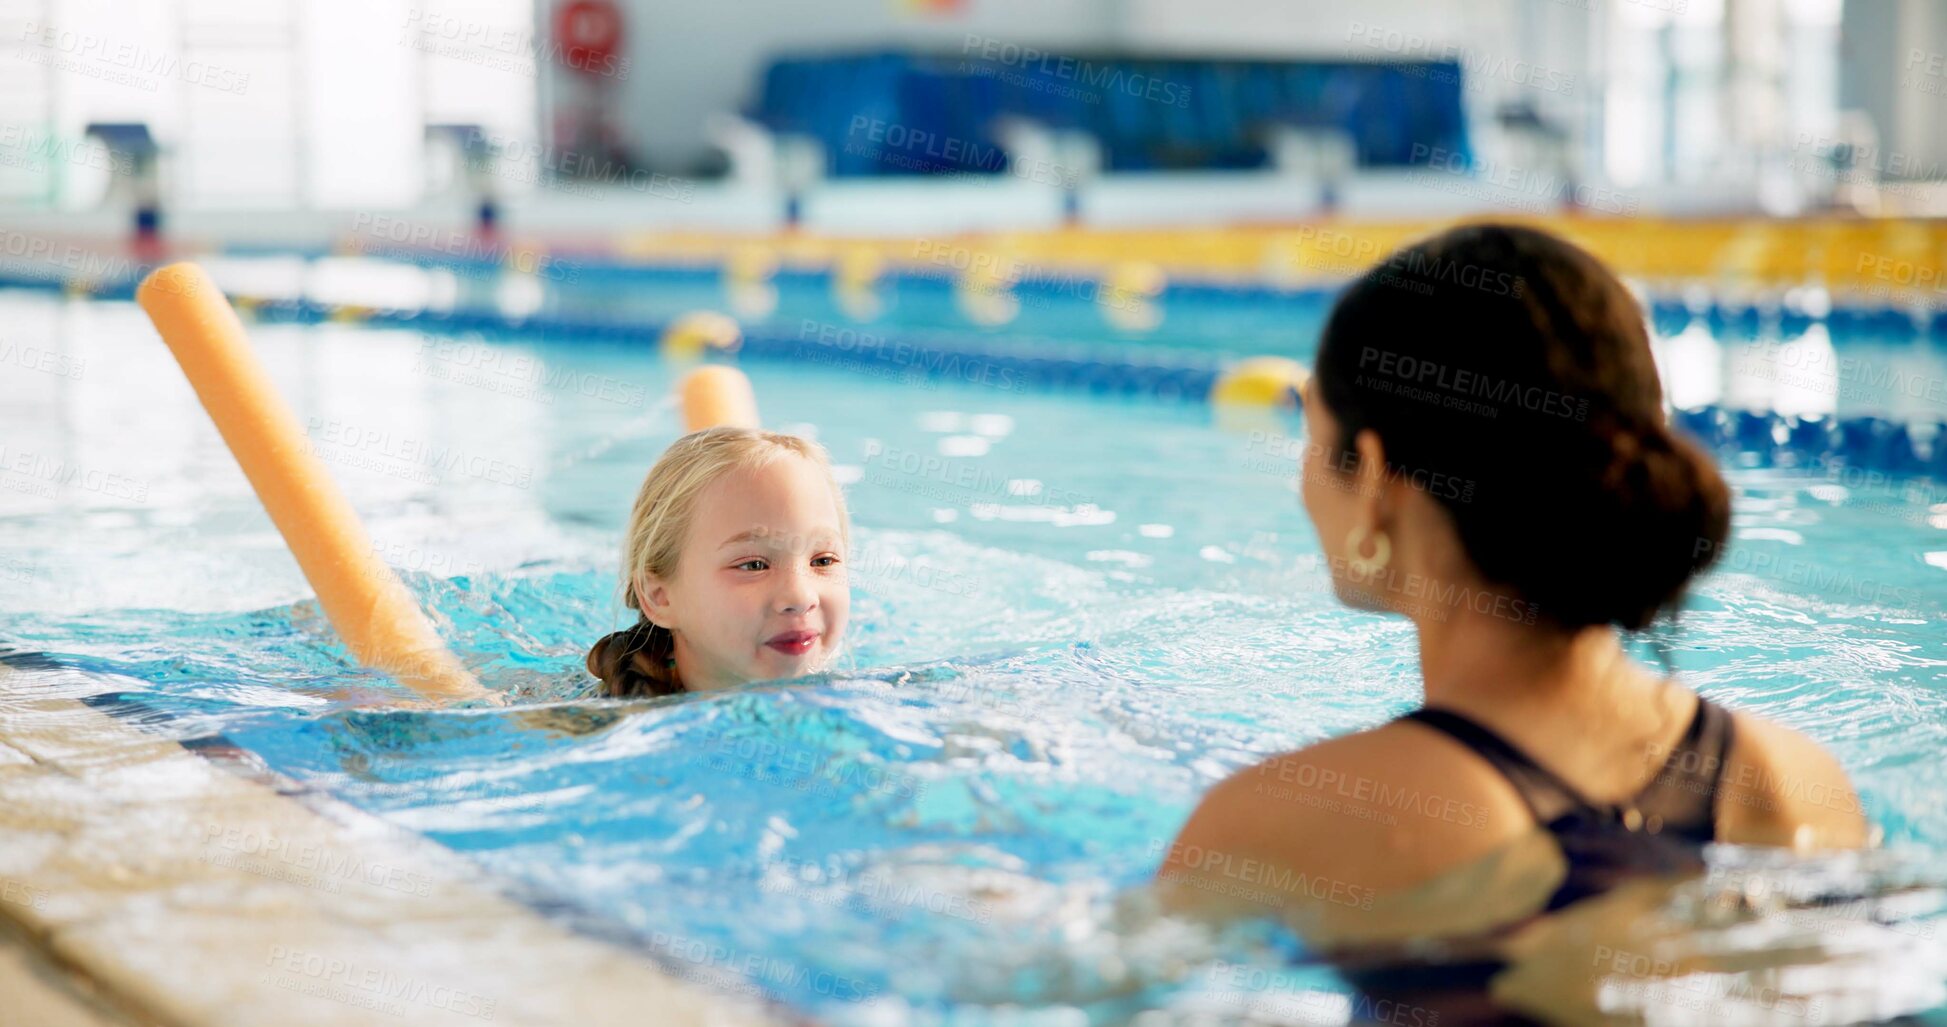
(203, 898)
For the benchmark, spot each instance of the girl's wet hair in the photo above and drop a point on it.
(638, 660)
(635, 661)
(1509, 373)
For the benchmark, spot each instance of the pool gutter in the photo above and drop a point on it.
(191, 896)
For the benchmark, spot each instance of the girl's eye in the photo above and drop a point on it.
(826, 560)
(752, 564)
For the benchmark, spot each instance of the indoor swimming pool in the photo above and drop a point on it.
(1075, 610)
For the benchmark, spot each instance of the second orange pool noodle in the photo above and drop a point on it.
(367, 604)
(718, 396)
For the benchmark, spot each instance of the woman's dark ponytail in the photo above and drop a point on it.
(1655, 514)
(1681, 509)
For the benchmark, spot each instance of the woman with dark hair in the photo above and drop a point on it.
(1489, 456)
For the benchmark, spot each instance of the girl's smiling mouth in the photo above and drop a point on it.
(793, 643)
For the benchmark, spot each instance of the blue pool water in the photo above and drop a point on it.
(1071, 617)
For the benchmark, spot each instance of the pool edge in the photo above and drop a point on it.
(195, 897)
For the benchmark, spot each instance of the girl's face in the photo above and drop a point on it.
(761, 591)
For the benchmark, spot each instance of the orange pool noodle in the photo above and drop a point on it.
(716, 396)
(366, 603)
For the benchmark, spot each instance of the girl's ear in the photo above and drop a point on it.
(652, 598)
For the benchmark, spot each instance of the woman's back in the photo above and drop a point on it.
(1409, 803)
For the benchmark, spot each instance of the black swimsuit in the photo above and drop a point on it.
(1661, 831)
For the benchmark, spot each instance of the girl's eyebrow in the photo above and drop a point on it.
(822, 536)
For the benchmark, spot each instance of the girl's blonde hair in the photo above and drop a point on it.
(639, 660)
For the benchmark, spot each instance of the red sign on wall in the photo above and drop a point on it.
(588, 33)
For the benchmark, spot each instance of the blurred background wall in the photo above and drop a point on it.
(1663, 106)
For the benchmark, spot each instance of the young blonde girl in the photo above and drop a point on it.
(734, 558)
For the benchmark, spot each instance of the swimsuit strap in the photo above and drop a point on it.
(1680, 800)
(1546, 795)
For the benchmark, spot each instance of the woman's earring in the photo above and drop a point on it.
(1367, 566)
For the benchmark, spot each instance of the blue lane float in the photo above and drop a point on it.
(1781, 440)
(1737, 321)
(1794, 322)
(1807, 438)
(1873, 321)
(1878, 443)
(1769, 438)
(1740, 322)
(1668, 315)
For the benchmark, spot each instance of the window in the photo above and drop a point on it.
(1701, 90)
(260, 103)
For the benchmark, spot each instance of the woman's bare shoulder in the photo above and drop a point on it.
(1781, 788)
(1372, 811)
